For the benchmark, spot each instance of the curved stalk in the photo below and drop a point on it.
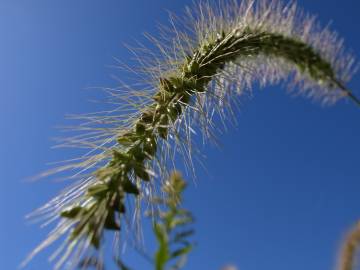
(221, 52)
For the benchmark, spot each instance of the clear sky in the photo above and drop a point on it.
(279, 193)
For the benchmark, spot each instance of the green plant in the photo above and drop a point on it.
(228, 48)
(172, 237)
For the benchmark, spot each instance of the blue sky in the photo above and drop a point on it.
(280, 192)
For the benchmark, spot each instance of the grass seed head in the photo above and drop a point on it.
(201, 64)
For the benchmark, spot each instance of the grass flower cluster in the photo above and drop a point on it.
(207, 59)
(170, 226)
(348, 258)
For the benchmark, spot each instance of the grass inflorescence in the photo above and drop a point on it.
(220, 51)
(351, 243)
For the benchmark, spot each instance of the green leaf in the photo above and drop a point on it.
(95, 241)
(181, 235)
(117, 203)
(119, 157)
(161, 97)
(179, 221)
(98, 190)
(147, 116)
(77, 230)
(174, 111)
(163, 126)
(71, 213)
(138, 153)
(150, 146)
(184, 98)
(140, 128)
(166, 85)
(127, 139)
(129, 187)
(140, 172)
(181, 251)
(110, 222)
